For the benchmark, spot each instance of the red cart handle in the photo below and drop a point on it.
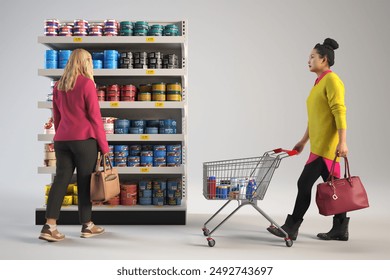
(289, 152)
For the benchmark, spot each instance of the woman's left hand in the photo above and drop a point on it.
(342, 149)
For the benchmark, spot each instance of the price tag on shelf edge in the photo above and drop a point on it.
(114, 104)
(150, 39)
(144, 137)
(145, 169)
(77, 40)
(150, 72)
(159, 104)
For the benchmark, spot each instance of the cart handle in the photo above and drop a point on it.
(289, 152)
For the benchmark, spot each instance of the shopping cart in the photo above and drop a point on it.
(243, 180)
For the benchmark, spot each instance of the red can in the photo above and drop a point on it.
(128, 195)
(212, 187)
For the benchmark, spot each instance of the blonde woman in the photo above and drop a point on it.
(79, 136)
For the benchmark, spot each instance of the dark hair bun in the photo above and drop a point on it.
(331, 44)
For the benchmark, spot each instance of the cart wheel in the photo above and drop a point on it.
(206, 231)
(289, 242)
(211, 242)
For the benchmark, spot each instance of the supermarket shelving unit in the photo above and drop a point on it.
(138, 214)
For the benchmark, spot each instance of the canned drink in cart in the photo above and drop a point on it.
(250, 188)
(212, 187)
(242, 188)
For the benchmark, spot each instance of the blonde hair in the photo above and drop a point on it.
(79, 63)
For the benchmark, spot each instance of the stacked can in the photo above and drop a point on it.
(121, 152)
(174, 192)
(113, 93)
(171, 30)
(159, 92)
(146, 158)
(128, 93)
(122, 126)
(110, 27)
(135, 150)
(159, 155)
(108, 124)
(126, 28)
(174, 92)
(95, 29)
(50, 156)
(63, 57)
(126, 60)
(211, 187)
(111, 153)
(51, 27)
(101, 93)
(110, 59)
(171, 61)
(167, 126)
(155, 60)
(65, 29)
(137, 126)
(128, 194)
(174, 153)
(145, 92)
(97, 60)
(159, 192)
(80, 27)
(156, 30)
(145, 192)
(51, 59)
(141, 28)
(140, 60)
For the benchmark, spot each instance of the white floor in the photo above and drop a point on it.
(242, 237)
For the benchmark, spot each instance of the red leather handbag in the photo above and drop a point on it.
(337, 196)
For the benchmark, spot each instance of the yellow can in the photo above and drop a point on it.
(159, 87)
(173, 97)
(75, 200)
(47, 189)
(158, 96)
(144, 96)
(68, 200)
(174, 87)
(145, 88)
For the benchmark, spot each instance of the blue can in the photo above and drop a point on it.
(145, 200)
(122, 130)
(121, 148)
(138, 123)
(97, 64)
(153, 123)
(145, 185)
(122, 123)
(174, 148)
(250, 188)
(168, 123)
(133, 161)
(136, 130)
(151, 130)
(146, 158)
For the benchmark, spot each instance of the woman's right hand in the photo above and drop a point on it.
(299, 147)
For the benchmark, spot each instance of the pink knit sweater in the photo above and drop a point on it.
(77, 114)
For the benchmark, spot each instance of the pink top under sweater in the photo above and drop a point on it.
(77, 114)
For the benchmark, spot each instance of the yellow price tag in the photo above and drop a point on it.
(149, 39)
(144, 169)
(77, 40)
(159, 104)
(150, 72)
(144, 137)
(114, 104)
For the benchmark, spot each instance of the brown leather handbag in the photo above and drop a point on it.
(104, 183)
(337, 196)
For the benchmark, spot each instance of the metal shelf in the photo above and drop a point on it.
(126, 208)
(113, 42)
(129, 170)
(129, 137)
(57, 73)
(128, 105)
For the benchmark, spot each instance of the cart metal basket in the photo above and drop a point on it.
(244, 180)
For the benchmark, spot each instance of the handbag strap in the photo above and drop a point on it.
(106, 166)
(98, 162)
(347, 173)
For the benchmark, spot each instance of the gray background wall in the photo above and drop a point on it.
(248, 83)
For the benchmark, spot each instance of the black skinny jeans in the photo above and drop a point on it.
(309, 176)
(82, 155)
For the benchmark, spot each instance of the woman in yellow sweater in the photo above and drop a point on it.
(326, 131)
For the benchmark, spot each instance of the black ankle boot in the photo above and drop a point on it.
(339, 230)
(290, 226)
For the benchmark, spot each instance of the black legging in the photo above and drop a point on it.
(81, 154)
(309, 176)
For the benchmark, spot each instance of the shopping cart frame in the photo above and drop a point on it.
(272, 158)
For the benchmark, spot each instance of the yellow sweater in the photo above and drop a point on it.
(326, 114)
